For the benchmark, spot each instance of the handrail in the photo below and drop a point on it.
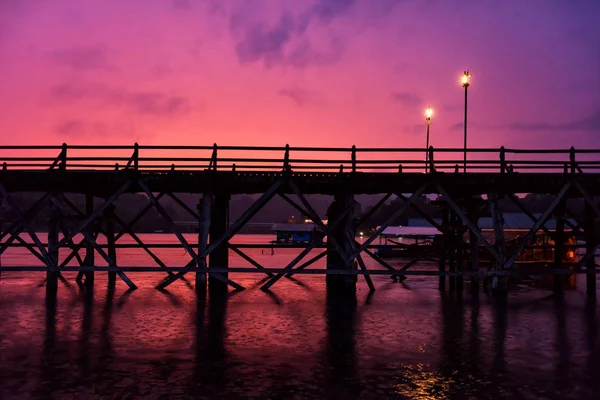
(61, 158)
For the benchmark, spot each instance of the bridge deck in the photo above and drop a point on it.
(100, 183)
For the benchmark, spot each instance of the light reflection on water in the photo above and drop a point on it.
(406, 341)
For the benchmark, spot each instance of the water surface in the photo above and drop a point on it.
(407, 340)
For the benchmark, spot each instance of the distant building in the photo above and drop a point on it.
(297, 233)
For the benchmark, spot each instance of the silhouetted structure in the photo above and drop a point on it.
(214, 178)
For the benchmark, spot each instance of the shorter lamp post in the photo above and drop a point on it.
(428, 114)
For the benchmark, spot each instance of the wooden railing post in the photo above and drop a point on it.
(63, 158)
(286, 159)
(136, 155)
(572, 159)
(213, 160)
(431, 160)
(502, 160)
(353, 158)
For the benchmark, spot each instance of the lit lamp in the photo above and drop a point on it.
(428, 114)
(465, 79)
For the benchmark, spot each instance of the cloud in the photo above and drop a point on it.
(589, 123)
(147, 103)
(76, 128)
(82, 58)
(299, 96)
(407, 99)
(181, 5)
(267, 43)
(283, 43)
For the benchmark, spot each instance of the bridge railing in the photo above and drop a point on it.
(297, 159)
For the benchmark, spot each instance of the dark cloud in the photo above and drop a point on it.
(282, 42)
(327, 10)
(262, 42)
(148, 103)
(407, 99)
(298, 95)
(82, 58)
(181, 5)
(78, 128)
(589, 123)
(105, 131)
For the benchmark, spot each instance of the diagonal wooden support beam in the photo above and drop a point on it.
(461, 214)
(513, 197)
(31, 249)
(139, 241)
(184, 206)
(373, 209)
(379, 260)
(588, 199)
(28, 227)
(233, 229)
(536, 227)
(97, 212)
(312, 214)
(71, 244)
(249, 259)
(422, 213)
(308, 263)
(75, 250)
(17, 228)
(288, 268)
(363, 267)
(128, 231)
(182, 240)
(397, 214)
(138, 217)
(30, 213)
(90, 239)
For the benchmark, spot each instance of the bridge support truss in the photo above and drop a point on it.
(464, 243)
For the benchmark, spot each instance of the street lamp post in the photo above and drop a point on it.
(428, 114)
(465, 82)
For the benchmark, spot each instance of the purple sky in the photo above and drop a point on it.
(320, 72)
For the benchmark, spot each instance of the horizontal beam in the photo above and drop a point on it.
(301, 271)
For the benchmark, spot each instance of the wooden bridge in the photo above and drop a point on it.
(468, 190)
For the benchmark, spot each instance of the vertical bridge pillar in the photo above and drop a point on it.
(559, 245)
(445, 245)
(344, 234)
(219, 257)
(204, 210)
(89, 249)
(499, 282)
(109, 229)
(473, 214)
(52, 270)
(590, 242)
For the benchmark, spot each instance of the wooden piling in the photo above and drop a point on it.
(474, 241)
(499, 282)
(52, 270)
(559, 245)
(89, 249)
(452, 244)
(346, 229)
(444, 252)
(590, 247)
(204, 211)
(110, 241)
(219, 257)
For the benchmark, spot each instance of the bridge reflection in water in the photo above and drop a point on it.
(298, 342)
